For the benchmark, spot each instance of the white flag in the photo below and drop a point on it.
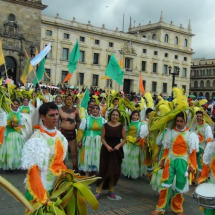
(41, 55)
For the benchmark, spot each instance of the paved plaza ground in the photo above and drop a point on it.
(137, 198)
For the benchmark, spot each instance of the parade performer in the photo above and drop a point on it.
(208, 170)
(148, 150)
(11, 149)
(47, 95)
(24, 108)
(59, 102)
(28, 113)
(204, 131)
(43, 155)
(3, 124)
(70, 120)
(179, 157)
(89, 141)
(103, 104)
(133, 163)
(113, 138)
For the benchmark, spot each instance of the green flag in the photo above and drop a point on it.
(86, 99)
(40, 72)
(73, 57)
(114, 70)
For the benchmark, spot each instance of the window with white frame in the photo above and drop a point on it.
(65, 54)
(81, 78)
(166, 39)
(96, 58)
(165, 69)
(82, 57)
(154, 69)
(95, 80)
(154, 86)
(176, 41)
(184, 73)
(48, 32)
(164, 87)
(143, 66)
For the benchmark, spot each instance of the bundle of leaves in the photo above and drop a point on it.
(74, 192)
(51, 208)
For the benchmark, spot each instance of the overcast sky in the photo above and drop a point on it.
(110, 12)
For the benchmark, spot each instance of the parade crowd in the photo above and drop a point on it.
(109, 134)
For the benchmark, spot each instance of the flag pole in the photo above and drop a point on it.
(7, 78)
(83, 97)
(36, 78)
(109, 92)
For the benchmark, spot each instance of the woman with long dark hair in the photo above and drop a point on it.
(113, 138)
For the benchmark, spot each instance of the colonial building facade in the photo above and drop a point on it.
(203, 78)
(146, 50)
(20, 27)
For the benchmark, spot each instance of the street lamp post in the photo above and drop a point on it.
(32, 50)
(174, 73)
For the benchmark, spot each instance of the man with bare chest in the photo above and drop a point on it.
(70, 121)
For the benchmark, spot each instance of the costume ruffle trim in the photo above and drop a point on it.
(167, 139)
(35, 152)
(43, 201)
(209, 150)
(193, 142)
(144, 131)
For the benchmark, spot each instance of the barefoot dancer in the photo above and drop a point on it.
(70, 121)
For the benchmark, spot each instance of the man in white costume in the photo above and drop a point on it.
(43, 155)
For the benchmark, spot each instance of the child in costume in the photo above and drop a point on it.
(132, 164)
(179, 159)
(43, 155)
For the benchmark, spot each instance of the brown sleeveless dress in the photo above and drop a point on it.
(110, 162)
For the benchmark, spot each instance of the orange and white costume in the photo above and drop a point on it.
(180, 147)
(43, 155)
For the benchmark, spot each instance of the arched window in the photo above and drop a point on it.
(213, 71)
(185, 43)
(144, 36)
(195, 94)
(201, 94)
(213, 95)
(203, 72)
(209, 72)
(176, 40)
(207, 95)
(154, 36)
(166, 39)
(197, 72)
(196, 84)
(214, 83)
(208, 83)
(201, 84)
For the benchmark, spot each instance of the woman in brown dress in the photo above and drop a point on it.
(111, 154)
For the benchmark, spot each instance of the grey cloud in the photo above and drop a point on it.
(200, 12)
